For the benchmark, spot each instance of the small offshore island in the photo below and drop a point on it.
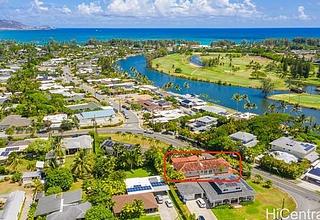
(268, 65)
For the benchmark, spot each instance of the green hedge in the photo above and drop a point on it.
(182, 208)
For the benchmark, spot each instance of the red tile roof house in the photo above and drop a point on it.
(200, 167)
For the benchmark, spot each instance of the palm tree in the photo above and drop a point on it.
(272, 108)
(82, 165)
(250, 106)
(238, 98)
(38, 186)
(14, 160)
(296, 108)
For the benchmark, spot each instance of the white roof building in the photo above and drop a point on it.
(145, 185)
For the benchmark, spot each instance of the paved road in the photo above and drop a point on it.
(306, 199)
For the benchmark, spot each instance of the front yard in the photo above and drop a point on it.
(265, 199)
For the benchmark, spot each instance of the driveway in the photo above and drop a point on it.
(194, 208)
(165, 212)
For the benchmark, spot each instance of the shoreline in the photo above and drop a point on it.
(286, 97)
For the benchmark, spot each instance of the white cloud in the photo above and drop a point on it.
(88, 9)
(39, 5)
(65, 10)
(180, 8)
(301, 13)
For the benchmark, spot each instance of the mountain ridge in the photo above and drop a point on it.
(15, 25)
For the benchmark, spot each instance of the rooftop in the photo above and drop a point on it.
(96, 114)
(80, 142)
(120, 201)
(297, 146)
(16, 121)
(12, 205)
(243, 136)
(145, 184)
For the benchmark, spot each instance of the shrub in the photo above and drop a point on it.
(16, 177)
(61, 177)
(53, 190)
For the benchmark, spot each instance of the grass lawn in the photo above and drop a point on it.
(223, 73)
(141, 172)
(7, 187)
(305, 100)
(265, 199)
(144, 142)
(76, 185)
(150, 217)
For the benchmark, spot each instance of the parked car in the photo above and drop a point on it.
(201, 203)
(148, 132)
(159, 199)
(201, 217)
(169, 203)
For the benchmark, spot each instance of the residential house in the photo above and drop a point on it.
(16, 146)
(153, 184)
(74, 144)
(167, 115)
(313, 175)
(15, 121)
(203, 123)
(108, 146)
(100, 117)
(212, 109)
(55, 121)
(247, 139)
(91, 106)
(67, 205)
(200, 167)
(149, 203)
(29, 177)
(13, 205)
(217, 193)
(301, 150)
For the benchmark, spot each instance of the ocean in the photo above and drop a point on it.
(202, 35)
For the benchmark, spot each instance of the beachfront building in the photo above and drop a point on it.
(216, 193)
(100, 117)
(301, 150)
(74, 144)
(149, 202)
(67, 205)
(12, 206)
(200, 167)
(247, 139)
(202, 124)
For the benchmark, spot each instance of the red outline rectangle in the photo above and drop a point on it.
(166, 179)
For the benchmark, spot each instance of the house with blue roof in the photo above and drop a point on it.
(100, 117)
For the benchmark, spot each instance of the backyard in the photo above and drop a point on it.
(265, 199)
(143, 141)
(218, 73)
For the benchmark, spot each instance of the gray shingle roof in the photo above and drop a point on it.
(48, 204)
(189, 188)
(71, 212)
(72, 197)
(243, 136)
(290, 144)
(80, 142)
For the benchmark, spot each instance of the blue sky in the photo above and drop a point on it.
(163, 13)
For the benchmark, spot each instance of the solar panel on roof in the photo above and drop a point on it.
(12, 149)
(5, 153)
(308, 146)
(315, 171)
